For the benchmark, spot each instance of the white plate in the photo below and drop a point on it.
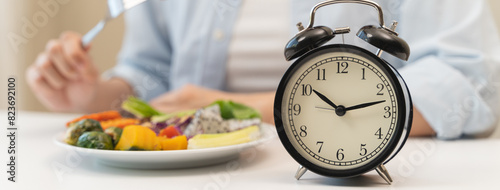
(169, 159)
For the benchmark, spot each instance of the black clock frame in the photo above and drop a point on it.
(393, 77)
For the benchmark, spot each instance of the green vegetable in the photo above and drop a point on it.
(139, 108)
(233, 110)
(96, 140)
(115, 133)
(165, 117)
(135, 149)
(76, 129)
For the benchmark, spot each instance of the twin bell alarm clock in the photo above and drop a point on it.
(341, 110)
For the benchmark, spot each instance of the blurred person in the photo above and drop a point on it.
(186, 54)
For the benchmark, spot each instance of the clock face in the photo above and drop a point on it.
(340, 110)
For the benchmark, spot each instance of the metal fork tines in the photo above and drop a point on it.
(115, 9)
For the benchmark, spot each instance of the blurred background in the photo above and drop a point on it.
(46, 19)
(75, 15)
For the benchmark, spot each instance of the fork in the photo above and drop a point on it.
(115, 8)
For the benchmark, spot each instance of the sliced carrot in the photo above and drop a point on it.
(119, 122)
(102, 116)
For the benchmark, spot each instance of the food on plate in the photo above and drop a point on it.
(224, 139)
(95, 140)
(78, 128)
(139, 108)
(115, 133)
(179, 122)
(221, 123)
(119, 122)
(209, 120)
(176, 143)
(179, 114)
(169, 132)
(102, 116)
(233, 110)
(137, 137)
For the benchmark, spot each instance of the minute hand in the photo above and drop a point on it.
(363, 105)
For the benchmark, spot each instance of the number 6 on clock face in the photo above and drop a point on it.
(340, 110)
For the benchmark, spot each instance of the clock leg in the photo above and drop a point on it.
(300, 171)
(382, 171)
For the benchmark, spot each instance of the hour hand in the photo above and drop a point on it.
(363, 105)
(325, 99)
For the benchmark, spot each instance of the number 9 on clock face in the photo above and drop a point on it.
(340, 110)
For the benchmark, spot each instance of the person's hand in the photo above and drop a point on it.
(187, 97)
(64, 77)
(195, 97)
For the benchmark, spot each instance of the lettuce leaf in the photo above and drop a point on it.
(233, 110)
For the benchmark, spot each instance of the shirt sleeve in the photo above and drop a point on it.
(145, 57)
(452, 67)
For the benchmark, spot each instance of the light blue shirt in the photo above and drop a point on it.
(451, 73)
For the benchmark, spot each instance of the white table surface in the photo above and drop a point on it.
(423, 163)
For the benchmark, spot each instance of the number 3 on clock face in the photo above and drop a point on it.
(341, 110)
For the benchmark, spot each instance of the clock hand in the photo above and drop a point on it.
(363, 105)
(340, 110)
(325, 108)
(324, 98)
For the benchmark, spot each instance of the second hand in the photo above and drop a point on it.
(325, 108)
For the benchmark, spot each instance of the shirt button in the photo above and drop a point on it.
(218, 34)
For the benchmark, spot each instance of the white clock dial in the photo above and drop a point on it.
(317, 126)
